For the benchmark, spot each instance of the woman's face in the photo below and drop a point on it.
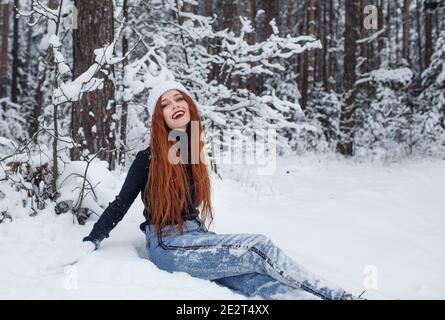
(175, 110)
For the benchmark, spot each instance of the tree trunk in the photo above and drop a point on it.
(230, 16)
(290, 18)
(352, 21)
(381, 38)
(186, 7)
(405, 50)
(323, 62)
(53, 4)
(4, 50)
(208, 8)
(333, 26)
(371, 52)
(251, 11)
(365, 49)
(124, 115)
(396, 16)
(388, 31)
(428, 37)
(39, 94)
(419, 32)
(15, 54)
(229, 19)
(252, 82)
(55, 169)
(28, 60)
(211, 43)
(92, 122)
(362, 49)
(271, 12)
(302, 70)
(38, 106)
(438, 16)
(309, 65)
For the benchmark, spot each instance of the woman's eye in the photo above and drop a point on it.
(180, 99)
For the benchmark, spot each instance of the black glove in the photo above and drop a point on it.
(94, 241)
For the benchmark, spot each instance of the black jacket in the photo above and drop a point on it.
(134, 184)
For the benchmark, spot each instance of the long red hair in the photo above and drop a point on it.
(167, 190)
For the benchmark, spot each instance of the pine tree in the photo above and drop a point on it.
(433, 81)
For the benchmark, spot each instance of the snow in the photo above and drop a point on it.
(98, 176)
(344, 220)
(72, 90)
(400, 75)
(6, 141)
(86, 82)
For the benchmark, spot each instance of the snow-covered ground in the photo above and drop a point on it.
(356, 224)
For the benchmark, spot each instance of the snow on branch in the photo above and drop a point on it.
(42, 10)
(401, 76)
(59, 59)
(87, 81)
(243, 58)
(153, 68)
(371, 38)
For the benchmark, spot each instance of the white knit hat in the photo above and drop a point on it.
(159, 89)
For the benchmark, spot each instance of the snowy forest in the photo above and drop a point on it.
(353, 88)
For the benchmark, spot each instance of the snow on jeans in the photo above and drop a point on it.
(248, 263)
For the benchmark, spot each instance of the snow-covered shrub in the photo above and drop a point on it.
(433, 80)
(384, 125)
(29, 179)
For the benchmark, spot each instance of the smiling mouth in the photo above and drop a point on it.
(178, 114)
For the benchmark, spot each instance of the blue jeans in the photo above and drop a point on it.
(250, 264)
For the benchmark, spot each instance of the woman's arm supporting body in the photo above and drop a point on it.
(133, 184)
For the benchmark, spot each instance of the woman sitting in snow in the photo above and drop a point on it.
(177, 238)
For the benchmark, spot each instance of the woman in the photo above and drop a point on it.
(177, 238)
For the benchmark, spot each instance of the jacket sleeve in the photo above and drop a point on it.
(133, 184)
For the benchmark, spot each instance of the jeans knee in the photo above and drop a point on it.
(263, 245)
(263, 240)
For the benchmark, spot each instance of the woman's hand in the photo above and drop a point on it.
(74, 254)
(87, 246)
